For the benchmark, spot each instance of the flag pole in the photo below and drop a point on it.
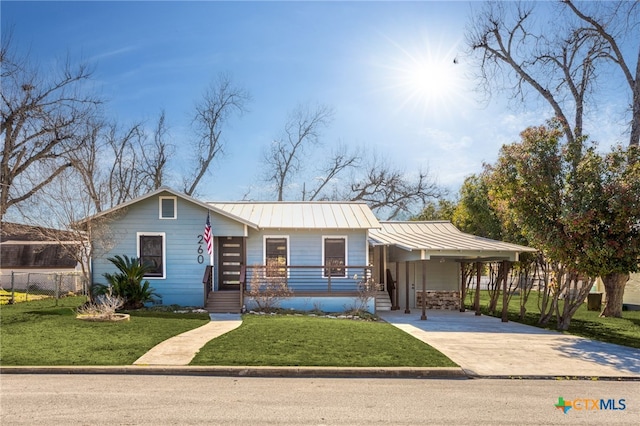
(208, 238)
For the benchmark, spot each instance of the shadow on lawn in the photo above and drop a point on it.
(63, 311)
(167, 315)
(635, 321)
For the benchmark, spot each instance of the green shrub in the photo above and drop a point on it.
(128, 282)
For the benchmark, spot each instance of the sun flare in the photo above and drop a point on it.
(429, 79)
(426, 78)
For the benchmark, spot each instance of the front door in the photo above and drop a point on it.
(231, 260)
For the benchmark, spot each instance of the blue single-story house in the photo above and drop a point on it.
(321, 251)
(320, 248)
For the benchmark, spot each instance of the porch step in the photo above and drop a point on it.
(383, 302)
(220, 302)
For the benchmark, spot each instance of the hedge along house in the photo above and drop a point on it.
(414, 258)
(319, 249)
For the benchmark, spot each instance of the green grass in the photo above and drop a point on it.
(313, 341)
(19, 296)
(622, 331)
(41, 333)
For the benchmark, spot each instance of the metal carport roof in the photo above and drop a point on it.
(440, 238)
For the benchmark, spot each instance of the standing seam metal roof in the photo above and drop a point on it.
(302, 215)
(437, 235)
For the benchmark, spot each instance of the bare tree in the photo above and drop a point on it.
(156, 155)
(123, 182)
(219, 102)
(338, 162)
(388, 191)
(616, 23)
(41, 114)
(88, 167)
(117, 163)
(112, 164)
(63, 206)
(391, 192)
(301, 132)
(562, 63)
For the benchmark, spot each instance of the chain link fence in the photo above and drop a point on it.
(27, 286)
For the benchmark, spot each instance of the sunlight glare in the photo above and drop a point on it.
(426, 78)
(432, 79)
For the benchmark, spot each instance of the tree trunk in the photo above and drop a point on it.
(564, 322)
(523, 311)
(614, 290)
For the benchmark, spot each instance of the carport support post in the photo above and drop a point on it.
(463, 281)
(396, 304)
(406, 284)
(476, 297)
(505, 272)
(423, 317)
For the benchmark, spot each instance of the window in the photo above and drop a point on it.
(168, 208)
(151, 252)
(276, 256)
(335, 256)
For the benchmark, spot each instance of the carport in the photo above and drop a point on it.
(423, 264)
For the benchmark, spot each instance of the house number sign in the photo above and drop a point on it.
(200, 249)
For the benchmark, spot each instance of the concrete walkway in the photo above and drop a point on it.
(485, 346)
(181, 349)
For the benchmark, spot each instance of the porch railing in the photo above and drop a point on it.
(309, 279)
(207, 281)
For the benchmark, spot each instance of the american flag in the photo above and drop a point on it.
(207, 236)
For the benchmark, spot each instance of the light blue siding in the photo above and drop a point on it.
(184, 264)
(186, 256)
(325, 304)
(305, 249)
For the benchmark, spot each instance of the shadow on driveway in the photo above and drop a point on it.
(485, 346)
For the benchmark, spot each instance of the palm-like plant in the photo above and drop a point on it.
(128, 282)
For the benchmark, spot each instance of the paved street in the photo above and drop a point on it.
(29, 399)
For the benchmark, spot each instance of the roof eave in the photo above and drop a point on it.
(157, 192)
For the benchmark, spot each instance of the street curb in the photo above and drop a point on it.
(293, 372)
(244, 371)
(557, 377)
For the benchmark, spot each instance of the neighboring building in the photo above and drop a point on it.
(323, 251)
(632, 293)
(34, 255)
(31, 247)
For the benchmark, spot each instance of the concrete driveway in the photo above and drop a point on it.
(485, 346)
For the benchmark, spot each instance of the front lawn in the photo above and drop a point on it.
(41, 333)
(622, 331)
(288, 340)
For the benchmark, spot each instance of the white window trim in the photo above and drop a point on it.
(346, 255)
(264, 250)
(175, 207)
(164, 251)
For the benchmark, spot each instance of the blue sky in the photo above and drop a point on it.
(363, 59)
